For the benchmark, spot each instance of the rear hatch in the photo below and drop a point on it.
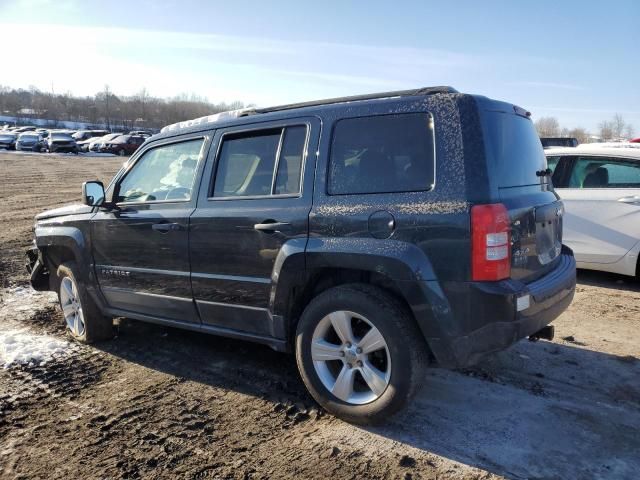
(516, 165)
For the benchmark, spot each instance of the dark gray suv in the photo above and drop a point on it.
(371, 235)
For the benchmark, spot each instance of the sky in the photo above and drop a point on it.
(574, 60)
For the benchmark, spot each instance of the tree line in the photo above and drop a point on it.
(608, 130)
(105, 108)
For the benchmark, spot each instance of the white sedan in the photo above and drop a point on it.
(600, 188)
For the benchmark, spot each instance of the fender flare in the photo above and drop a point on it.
(67, 237)
(404, 264)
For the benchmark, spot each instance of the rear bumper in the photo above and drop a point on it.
(494, 321)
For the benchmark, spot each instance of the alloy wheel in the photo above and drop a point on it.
(71, 306)
(351, 357)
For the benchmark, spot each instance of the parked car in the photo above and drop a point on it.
(31, 141)
(142, 133)
(61, 142)
(24, 129)
(100, 144)
(81, 135)
(600, 188)
(635, 140)
(123, 145)
(83, 145)
(548, 142)
(331, 229)
(8, 140)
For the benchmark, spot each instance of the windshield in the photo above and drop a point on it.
(28, 137)
(62, 136)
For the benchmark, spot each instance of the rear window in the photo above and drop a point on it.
(514, 146)
(382, 154)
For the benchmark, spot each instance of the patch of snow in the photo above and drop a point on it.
(19, 346)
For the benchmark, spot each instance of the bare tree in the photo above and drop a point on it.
(580, 134)
(618, 125)
(107, 109)
(606, 131)
(629, 131)
(547, 127)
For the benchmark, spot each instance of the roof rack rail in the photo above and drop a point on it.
(355, 98)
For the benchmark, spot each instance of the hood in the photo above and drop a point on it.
(66, 210)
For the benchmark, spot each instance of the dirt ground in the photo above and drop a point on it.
(157, 402)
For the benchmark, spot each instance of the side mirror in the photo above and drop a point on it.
(93, 193)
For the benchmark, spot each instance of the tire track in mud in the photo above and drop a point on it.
(162, 403)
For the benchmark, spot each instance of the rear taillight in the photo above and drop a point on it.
(490, 242)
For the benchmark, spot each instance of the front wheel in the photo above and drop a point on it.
(360, 353)
(84, 320)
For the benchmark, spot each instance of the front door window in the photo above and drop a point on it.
(164, 173)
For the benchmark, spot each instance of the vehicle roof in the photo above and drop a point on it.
(250, 115)
(623, 150)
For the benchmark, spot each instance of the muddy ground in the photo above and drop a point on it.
(157, 402)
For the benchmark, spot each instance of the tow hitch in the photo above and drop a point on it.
(545, 333)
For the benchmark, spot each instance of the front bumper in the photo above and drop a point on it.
(37, 269)
(63, 148)
(493, 320)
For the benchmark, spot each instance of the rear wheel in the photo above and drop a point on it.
(360, 353)
(84, 320)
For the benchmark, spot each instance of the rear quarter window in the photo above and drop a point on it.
(382, 154)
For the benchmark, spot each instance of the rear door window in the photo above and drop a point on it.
(382, 154)
(604, 172)
(261, 163)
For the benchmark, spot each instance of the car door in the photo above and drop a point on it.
(255, 197)
(602, 203)
(140, 248)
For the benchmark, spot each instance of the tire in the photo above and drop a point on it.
(121, 152)
(77, 304)
(399, 364)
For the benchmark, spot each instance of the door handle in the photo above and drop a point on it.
(166, 227)
(270, 227)
(635, 199)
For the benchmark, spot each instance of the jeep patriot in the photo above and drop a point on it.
(372, 236)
